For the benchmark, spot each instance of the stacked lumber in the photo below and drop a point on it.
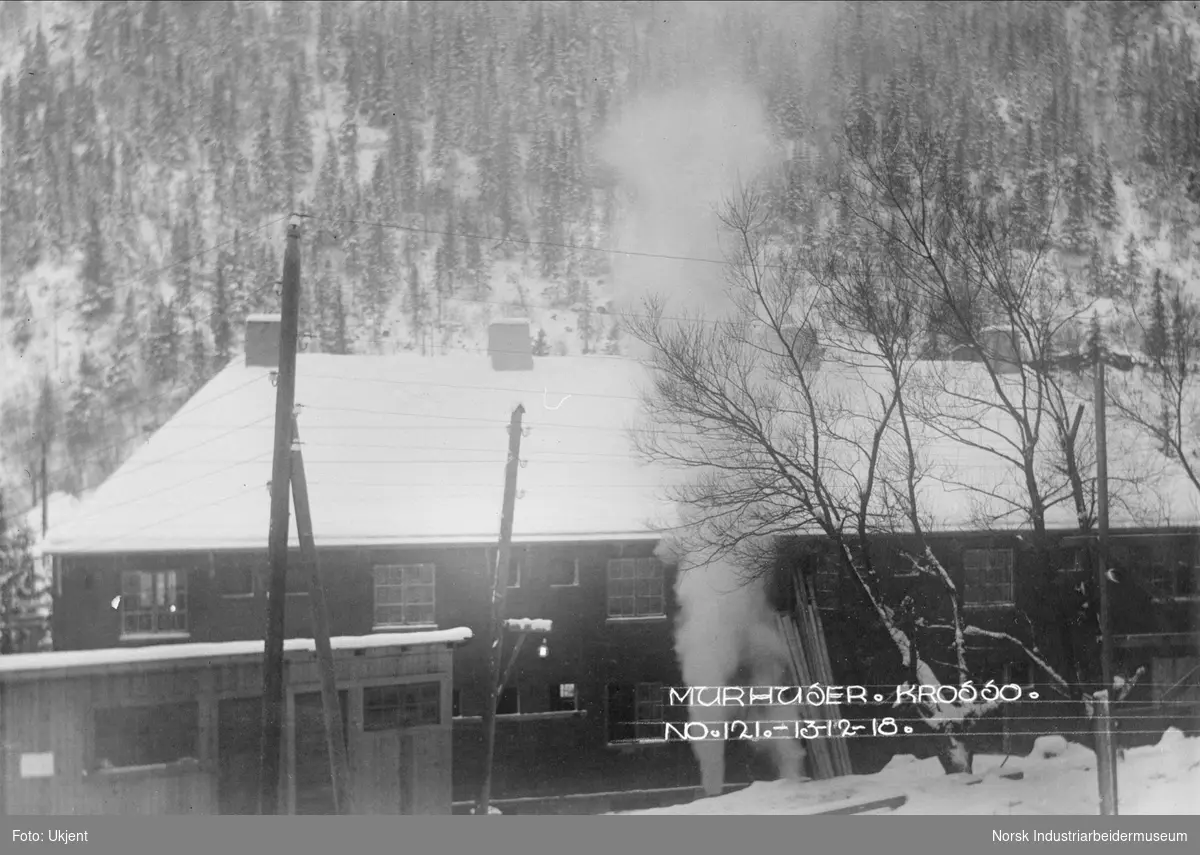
(804, 635)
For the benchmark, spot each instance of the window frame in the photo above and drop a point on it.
(1009, 586)
(574, 583)
(516, 692)
(403, 604)
(156, 610)
(155, 714)
(637, 564)
(425, 694)
(643, 692)
(239, 565)
(557, 698)
(516, 558)
(826, 578)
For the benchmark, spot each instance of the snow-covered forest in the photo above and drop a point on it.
(454, 160)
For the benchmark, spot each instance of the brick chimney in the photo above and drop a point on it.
(509, 345)
(262, 340)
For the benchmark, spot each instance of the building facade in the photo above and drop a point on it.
(175, 730)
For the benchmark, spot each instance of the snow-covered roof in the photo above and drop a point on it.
(397, 450)
(965, 483)
(89, 660)
(407, 450)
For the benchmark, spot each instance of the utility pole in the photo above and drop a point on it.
(338, 765)
(277, 544)
(1107, 763)
(499, 593)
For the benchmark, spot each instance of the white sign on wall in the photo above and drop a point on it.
(37, 765)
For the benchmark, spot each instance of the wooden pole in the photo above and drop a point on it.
(1106, 653)
(277, 545)
(334, 726)
(45, 499)
(499, 591)
(1105, 755)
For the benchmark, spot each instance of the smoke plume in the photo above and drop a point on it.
(727, 628)
(679, 155)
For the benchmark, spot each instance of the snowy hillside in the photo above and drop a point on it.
(461, 161)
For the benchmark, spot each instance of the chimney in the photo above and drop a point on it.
(262, 340)
(509, 345)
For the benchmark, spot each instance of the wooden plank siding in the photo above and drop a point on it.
(56, 713)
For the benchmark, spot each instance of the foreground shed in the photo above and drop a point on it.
(174, 729)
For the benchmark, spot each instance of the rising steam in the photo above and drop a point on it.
(679, 155)
(726, 628)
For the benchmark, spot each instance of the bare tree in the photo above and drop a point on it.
(1161, 397)
(990, 284)
(783, 437)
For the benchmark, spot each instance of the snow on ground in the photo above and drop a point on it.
(1162, 779)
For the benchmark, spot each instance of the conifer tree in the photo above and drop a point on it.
(222, 331)
(97, 298)
(267, 165)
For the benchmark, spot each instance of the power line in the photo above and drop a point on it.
(520, 241)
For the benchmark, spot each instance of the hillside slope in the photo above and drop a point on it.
(460, 161)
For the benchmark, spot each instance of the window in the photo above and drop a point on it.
(563, 697)
(509, 702)
(1167, 580)
(988, 577)
(635, 712)
(153, 602)
(515, 566)
(237, 578)
(826, 582)
(400, 706)
(564, 572)
(635, 588)
(404, 595)
(125, 737)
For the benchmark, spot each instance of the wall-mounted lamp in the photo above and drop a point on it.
(116, 602)
(543, 649)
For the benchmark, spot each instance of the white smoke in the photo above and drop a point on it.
(726, 626)
(679, 156)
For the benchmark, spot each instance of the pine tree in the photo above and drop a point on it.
(541, 347)
(222, 331)
(97, 299)
(267, 166)
(85, 410)
(411, 181)
(339, 340)
(181, 271)
(297, 135)
(329, 182)
(197, 365)
(1108, 213)
(163, 343)
(120, 377)
(1157, 337)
